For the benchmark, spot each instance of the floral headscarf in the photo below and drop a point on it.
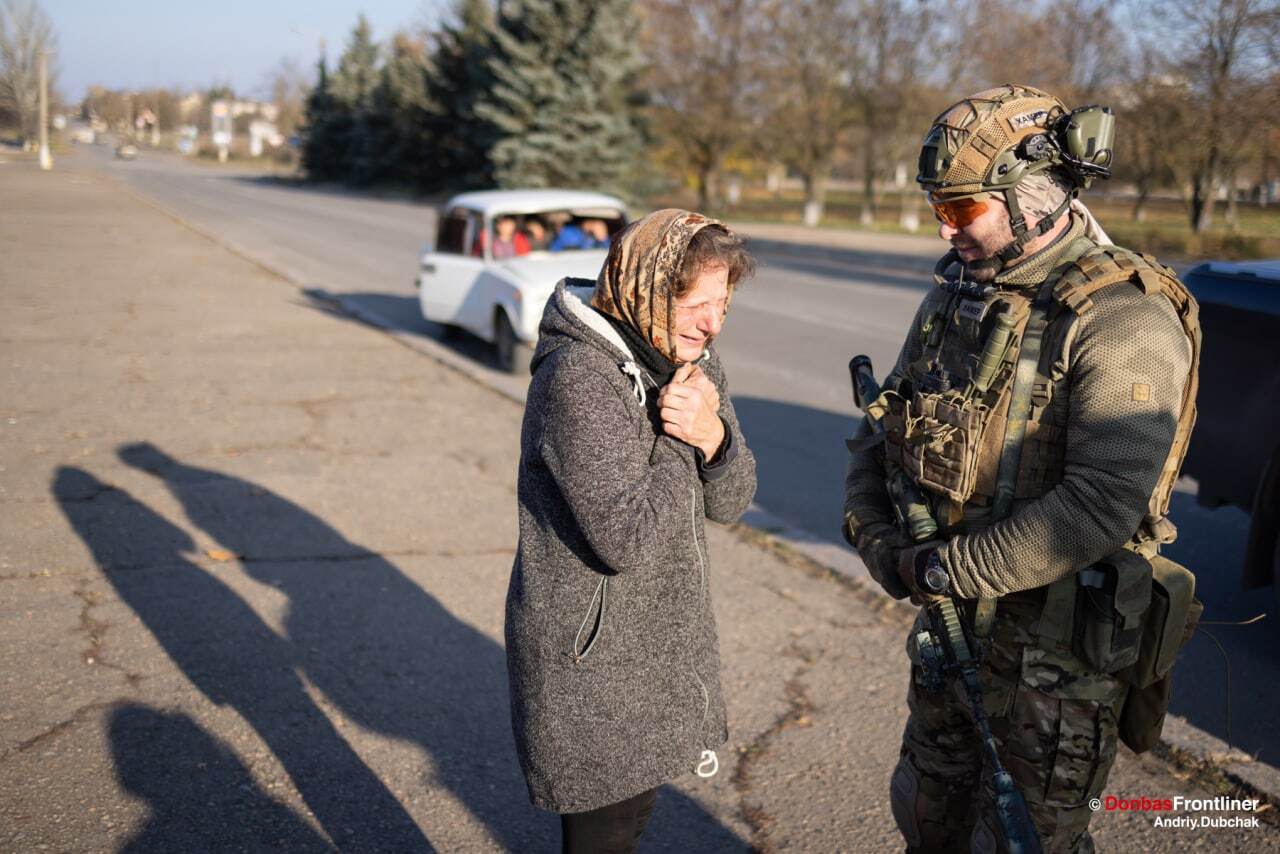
(638, 282)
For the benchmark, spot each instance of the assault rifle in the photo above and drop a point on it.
(945, 649)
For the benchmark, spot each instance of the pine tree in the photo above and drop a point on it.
(362, 119)
(356, 76)
(563, 106)
(323, 134)
(401, 96)
(454, 143)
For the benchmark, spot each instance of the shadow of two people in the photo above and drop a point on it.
(386, 654)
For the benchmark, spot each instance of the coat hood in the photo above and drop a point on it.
(569, 317)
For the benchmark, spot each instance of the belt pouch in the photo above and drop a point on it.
(1111, 598)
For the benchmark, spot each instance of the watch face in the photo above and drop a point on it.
(935, 578)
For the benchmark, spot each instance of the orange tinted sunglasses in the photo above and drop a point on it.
(958, 213)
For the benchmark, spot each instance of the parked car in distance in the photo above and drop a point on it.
(1235, 449)
(126, 151)
(498, 255)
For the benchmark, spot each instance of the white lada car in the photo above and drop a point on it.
(498, 255)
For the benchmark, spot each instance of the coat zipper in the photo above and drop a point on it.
(709, 764)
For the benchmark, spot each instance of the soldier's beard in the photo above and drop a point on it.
(985, 238)
(984, 270)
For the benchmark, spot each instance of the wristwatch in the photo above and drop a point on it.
(931, 575)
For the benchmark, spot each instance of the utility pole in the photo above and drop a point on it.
(46, 159)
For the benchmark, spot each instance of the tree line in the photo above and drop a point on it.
(611, 94)
(538, 93)
(634, 95)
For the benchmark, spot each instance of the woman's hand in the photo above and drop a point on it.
(689, 406)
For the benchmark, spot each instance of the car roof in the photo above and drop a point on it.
(532, 201)
(1269, 269)
(1252, 286)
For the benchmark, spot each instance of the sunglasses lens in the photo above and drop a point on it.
(960, 212)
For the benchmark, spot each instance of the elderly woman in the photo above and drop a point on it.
(629, 443)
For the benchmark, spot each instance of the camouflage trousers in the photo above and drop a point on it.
(1055, 723)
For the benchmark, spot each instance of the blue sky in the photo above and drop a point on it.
(144, 43)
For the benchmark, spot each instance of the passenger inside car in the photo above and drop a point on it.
(589, 233)
(536, 231)
(507, 241)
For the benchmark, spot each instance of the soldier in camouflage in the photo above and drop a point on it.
(1041, 403)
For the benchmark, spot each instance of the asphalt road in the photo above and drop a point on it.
(787, 341)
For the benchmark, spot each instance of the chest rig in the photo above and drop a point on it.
(974, 421)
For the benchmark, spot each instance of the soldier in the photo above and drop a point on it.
(1041, 404)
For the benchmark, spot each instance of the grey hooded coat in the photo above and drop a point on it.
(611, 641)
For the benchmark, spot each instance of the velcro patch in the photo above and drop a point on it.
(1141, 391)
(1031, 118)
(973, 309)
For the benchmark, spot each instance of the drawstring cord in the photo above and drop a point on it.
(632, 370)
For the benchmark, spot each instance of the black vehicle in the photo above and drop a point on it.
(1235, 449)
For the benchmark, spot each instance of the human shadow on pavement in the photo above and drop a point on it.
(201, 795)
(234, 659)
(385, 652)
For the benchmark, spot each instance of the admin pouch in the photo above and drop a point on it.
(1170, 622)
(1127, 615)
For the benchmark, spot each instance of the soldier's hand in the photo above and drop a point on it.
(879, 545)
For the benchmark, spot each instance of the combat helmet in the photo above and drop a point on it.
(990, 141)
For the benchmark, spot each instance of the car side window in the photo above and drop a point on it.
(457, 231)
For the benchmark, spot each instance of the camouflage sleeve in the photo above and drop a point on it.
(865, 499)
(1125, 376)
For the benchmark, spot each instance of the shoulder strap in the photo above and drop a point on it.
(1110, 265)
(1189, 316)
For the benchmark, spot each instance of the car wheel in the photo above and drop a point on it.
(513, 355)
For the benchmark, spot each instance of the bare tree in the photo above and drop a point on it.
(699, 56)
(1070, 48)
(286, 86)
(25, 32)
(812, 95)
(1224, 52)
(897, 38)
(1154, 117)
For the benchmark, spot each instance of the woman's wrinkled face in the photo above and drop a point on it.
(700, 313)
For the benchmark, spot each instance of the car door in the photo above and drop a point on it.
(451, 269)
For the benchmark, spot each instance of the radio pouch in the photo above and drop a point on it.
(1170, 622)
(1111, 598)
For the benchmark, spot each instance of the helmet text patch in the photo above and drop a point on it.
(1031, 118)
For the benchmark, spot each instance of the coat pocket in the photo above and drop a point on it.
(592, 625)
